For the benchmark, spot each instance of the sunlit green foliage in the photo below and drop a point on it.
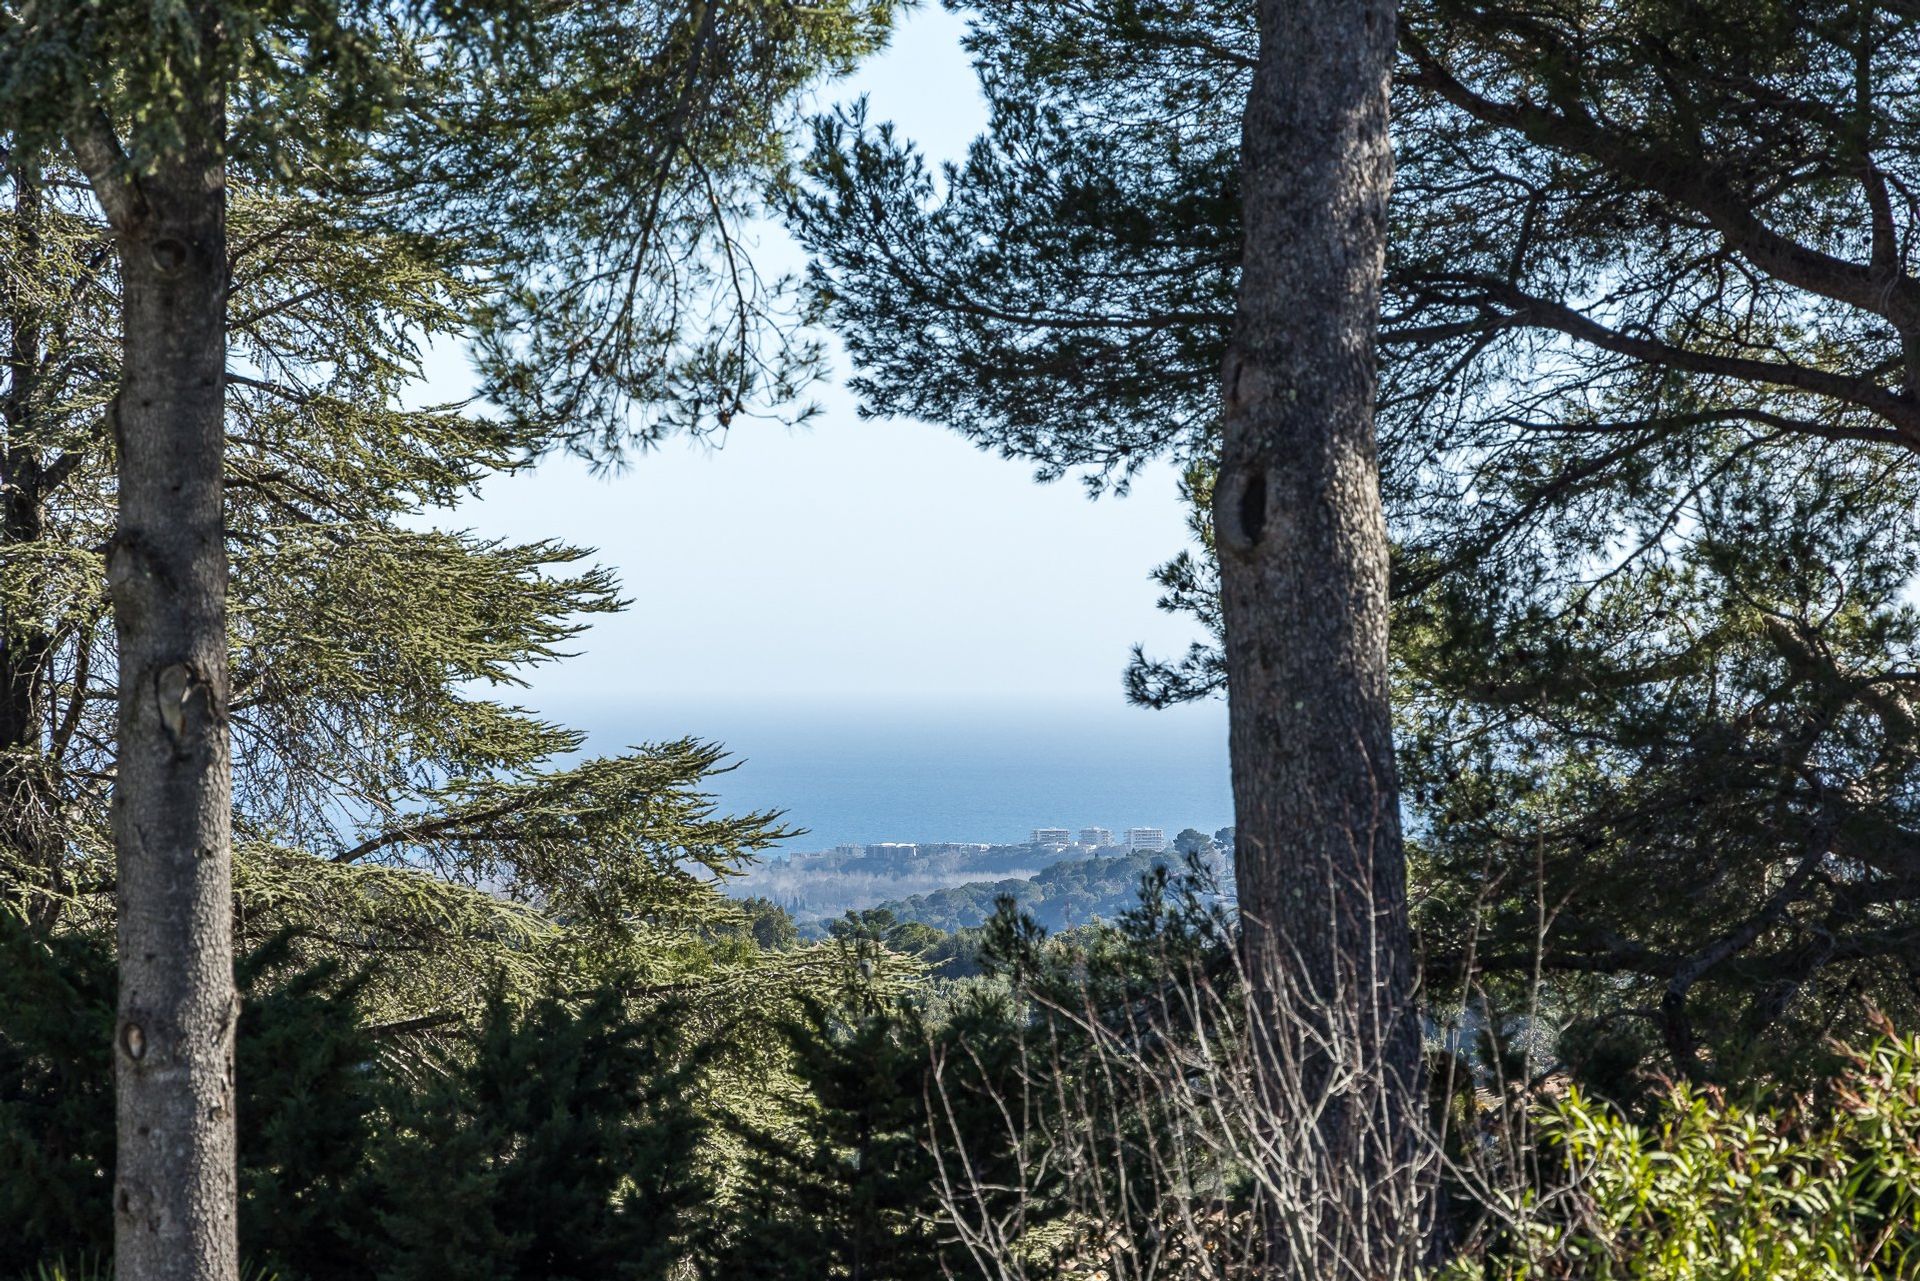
(1827, 1189)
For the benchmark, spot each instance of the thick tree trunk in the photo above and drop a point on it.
(1303, 563)
(174, 1196)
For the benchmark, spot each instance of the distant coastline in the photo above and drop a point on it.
(939, 771)
(955, 883)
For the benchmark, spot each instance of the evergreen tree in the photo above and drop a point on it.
(1643, 439)
(561, 1149)
(159, 110)
(1303, 553)
(1696, 501)
(379, 787)
(1090, 335)
(567, 1138)
(1193, 842)
(770, 924)
(846, 1188)
(312, 1099)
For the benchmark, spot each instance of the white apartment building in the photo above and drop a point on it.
(1051, 836)
(1146, 838)
(895, 849)
(1094, 837)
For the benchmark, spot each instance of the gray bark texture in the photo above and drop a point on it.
(174, 1192)
(1303, 563)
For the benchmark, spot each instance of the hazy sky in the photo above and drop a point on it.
(854, 559)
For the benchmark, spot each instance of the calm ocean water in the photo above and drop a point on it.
(943, 771)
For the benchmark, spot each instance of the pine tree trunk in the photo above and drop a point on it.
(1303, 562)
(174, 1196)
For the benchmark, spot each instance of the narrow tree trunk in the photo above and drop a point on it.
(174, 1197)
(1303, 562)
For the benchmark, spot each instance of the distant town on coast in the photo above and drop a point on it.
(1062, 876)
(1091, 840)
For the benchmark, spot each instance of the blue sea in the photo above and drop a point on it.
(856, 773)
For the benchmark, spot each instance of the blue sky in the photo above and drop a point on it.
(852, 560)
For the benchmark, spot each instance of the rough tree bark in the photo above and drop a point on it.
(174, 1193)
(1303, 565)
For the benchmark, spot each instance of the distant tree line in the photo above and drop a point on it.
(1067, 894)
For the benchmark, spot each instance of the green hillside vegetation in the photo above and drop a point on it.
(1064, 896)
(872, 861)
(822, 885)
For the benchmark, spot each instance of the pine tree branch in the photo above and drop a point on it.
(1688, 179)
(1543, 313)
(101, 158)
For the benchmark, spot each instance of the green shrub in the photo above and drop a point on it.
(308, 1109)
(304, 1107)
(1825, 1188)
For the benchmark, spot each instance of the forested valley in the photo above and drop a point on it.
(1544, 380)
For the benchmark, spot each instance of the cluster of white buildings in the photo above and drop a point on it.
(909, 849)
(1135, 840)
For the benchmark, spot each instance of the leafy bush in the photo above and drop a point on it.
(1826, 1188)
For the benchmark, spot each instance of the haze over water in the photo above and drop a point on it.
(981, 770)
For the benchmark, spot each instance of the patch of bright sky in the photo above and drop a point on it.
(852, 560)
